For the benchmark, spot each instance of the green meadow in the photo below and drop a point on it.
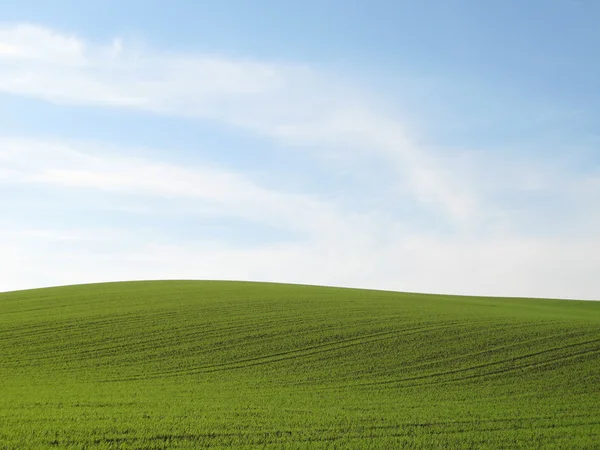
(199, 364)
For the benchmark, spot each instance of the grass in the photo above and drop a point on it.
(177, 364)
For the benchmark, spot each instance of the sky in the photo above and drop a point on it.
(439, 146)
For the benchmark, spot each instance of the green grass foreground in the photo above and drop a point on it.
(183, 364)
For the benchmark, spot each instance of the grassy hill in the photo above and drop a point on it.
(185, 364)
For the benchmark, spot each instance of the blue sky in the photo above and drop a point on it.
(432, 146)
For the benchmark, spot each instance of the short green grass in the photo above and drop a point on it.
(183, 364)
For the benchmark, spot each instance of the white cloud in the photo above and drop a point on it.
(291, 103)
(40, 44)
(213, 191)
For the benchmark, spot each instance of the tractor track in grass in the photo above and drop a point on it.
(495, 363)
(488, 351)
(133, 338)
(328, 347)
(297, 353)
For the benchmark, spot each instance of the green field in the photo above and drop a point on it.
(184, 364)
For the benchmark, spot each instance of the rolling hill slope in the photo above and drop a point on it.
(183, 364)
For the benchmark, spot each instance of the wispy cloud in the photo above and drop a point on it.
(291, 103)
(213, 191)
